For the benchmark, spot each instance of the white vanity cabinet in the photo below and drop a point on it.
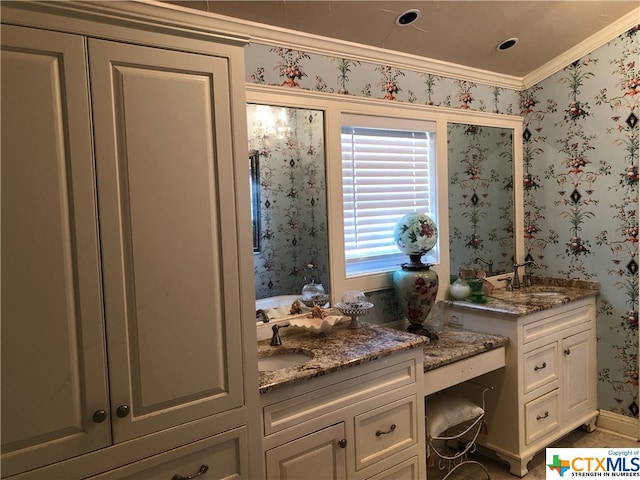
(122, 339)
(364, 422)
(548, 386)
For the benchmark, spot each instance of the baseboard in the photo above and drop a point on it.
(620, 424)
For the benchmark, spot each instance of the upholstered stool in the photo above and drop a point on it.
(453, 425)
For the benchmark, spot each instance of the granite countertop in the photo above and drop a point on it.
(457, 344)
(340, 348)
(343, 347)
(524, 301)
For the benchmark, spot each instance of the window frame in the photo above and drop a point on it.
(391, 261)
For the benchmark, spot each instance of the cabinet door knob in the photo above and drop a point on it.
(567, 351)
(99, 416)
(540, 367)
(391, 429)
(123, 411)
(202, 471)
(342, 443)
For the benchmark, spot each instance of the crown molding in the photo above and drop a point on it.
(151, 14)
(585, 47)
(143, 15)
(259, 33)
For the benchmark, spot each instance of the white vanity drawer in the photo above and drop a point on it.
(540, 366)
(541, 416)
(568, 316)
(383, 431)
(220, 456)
(405, 470)
(292, 411)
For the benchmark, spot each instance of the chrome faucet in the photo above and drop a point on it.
(488, 263)
(276, 341)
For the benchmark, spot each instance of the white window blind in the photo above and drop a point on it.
(386, 172)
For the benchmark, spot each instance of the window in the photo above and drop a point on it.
(387, 171)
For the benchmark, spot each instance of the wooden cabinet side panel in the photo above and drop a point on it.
(53, 358)
(165, 184)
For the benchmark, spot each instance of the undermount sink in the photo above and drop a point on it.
(283, 360)
(546, 294)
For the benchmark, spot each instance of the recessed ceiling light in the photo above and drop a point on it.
(407, 17)
(506, 44)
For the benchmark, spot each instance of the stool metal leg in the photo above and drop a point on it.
(454, 461)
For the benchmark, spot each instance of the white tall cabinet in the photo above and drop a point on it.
(125, 225)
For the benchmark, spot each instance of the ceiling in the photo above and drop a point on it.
(460, 32)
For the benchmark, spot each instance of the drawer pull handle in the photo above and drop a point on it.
(540, 367)
(567, 351)
(391, 429)
(342, 443)
(542, 417)
(202, 471)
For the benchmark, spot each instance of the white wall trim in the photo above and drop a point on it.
(204, 24)
(621, 424)
(592, 43)
(276, 36)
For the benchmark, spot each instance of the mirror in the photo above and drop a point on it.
(290, 218)
(481, 198)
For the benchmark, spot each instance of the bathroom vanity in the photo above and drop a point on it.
(548, 385)
(353, 410)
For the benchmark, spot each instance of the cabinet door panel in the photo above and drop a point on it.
(165, 183)
(53, 358)
(578, 377)
(317, 455)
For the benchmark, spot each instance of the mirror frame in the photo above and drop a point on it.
(254, 175)
(465, 253)
(333, 105)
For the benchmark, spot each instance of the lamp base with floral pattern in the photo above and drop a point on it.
(416, 288)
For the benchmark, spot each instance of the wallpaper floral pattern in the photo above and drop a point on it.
(581, 197)
(293, 206)
(581, 172)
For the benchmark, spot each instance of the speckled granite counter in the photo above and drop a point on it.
(456, 344)
(529, 299)
(335, 350)
(343, 347)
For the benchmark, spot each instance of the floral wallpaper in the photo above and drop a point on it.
(291, 68)
(581, 197)
(581, 173)
(480, 197)
(293, 205)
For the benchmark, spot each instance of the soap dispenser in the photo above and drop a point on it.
(460, 289)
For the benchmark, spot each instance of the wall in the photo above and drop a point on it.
(581, 159)
(581, 197)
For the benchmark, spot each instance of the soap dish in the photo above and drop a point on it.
(316, 325)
